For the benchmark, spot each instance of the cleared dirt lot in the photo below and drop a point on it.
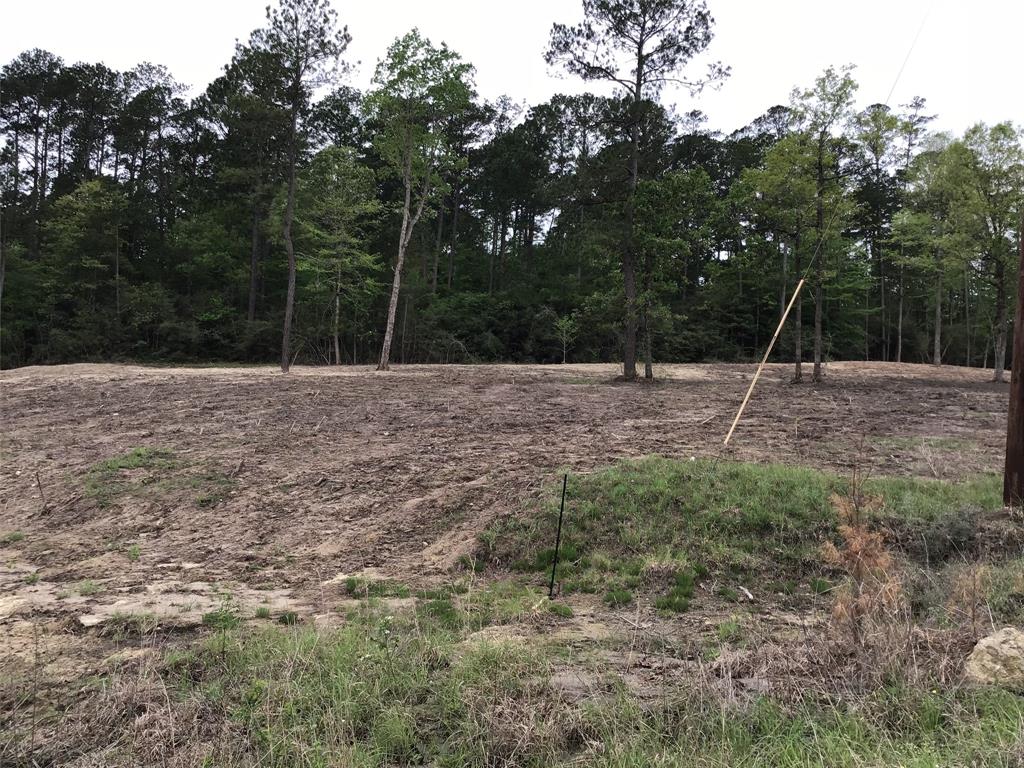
(273, 488)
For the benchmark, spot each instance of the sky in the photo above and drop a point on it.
(967, 60)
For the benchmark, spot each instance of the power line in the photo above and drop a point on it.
(910, 51)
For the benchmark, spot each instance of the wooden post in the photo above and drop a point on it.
(771, 345)
(1013, 476)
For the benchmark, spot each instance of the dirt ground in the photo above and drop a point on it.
(326, 473)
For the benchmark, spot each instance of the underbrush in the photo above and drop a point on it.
(422, 687)
(489, 672)
(657, 523)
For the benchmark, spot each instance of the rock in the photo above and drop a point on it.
(998, 660)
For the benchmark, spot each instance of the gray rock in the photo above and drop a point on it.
(998, 660)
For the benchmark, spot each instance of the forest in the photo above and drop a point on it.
(282, 214)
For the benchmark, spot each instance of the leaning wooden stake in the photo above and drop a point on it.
(764, 360)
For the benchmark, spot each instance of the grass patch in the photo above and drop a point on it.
(616, 598)
(357, 586)
(88, 588)
(750, 523)
(12, 538)
(409, 689)
(678, 598)
(560, 609)
(145, 471)
(222, 619)
(820, 586)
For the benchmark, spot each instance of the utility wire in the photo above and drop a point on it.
(835, 211)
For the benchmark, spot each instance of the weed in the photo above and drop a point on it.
(88, 588)
(678, 598)
(32, 578)
(12, 538)
(618, 597)
(730, 594)
(288, 618)
(221, 619)
(730, 630)
(262, 612)
(820, 586)
(357, 586)
(560, 609)
(125, 625)
(873, 592)
(133, 552)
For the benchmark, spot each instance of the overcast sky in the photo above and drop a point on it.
(968, 61)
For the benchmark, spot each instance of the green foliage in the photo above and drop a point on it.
(89, 588)
(222, 618)
(678, 598)
(168, 245)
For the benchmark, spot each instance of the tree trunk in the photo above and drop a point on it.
(1013, 477)
(437, 248)
(454, 239)
(999, 352)
(798, 320)
(396, 284)
(337, 317)
(882, 302)
(289, 214)
(117, 270)
(967, 314)
(409, 220)
(899, 320)
(937, 348)
(254, 262)
(493, 258)
(628, 267)
(819, 264)
(785, 277)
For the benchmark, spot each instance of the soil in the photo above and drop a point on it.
(281, 486)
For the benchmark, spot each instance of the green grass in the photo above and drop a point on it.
(618, 597)
(742, 523)
(357, 586)
(88, 588)
(937, 443)
(560, 609)
(730, 630)
(222, 619)
(133, 553)
(148, 472)
(409, 689)
(678, 598)
(820, 586)
(263, 612)
(12, 538)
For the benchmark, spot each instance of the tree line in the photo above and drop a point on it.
(283, 212)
